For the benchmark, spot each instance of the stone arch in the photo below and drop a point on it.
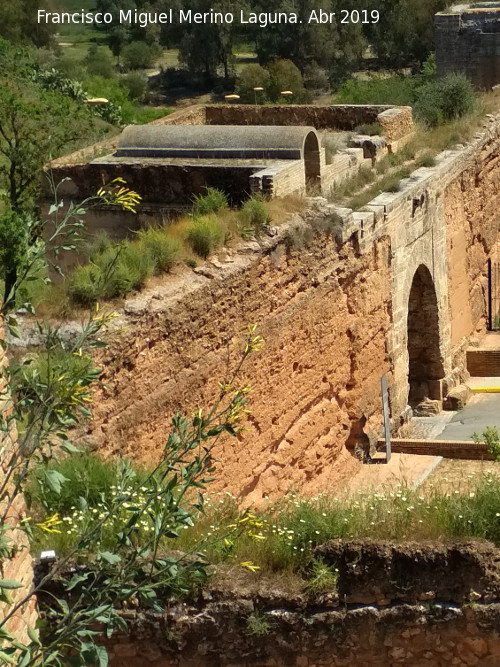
(312, 163)
(425, 361)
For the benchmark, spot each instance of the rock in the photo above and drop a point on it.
(427, 408)
(457, 398)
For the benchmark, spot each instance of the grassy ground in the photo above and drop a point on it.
(282, 536)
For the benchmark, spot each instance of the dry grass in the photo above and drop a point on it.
(53, 301)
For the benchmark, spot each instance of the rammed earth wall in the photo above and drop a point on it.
(331, 301)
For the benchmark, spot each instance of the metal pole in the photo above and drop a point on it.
(490, 298)
(385, 411)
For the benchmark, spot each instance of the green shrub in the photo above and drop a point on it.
(252, 76)
(139, 55)
(87, 476)
(426, 160)
(205, 234)
(113, 272)
(258, 625)
(212, 201)
(284, 75)
(322, 578)
(254, 214)
(99, 62)
(377, 90)
(136, 84)
(162, 249)
(85, 285)
(135, 265)
(444, 100)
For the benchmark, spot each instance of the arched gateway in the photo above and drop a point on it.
(425, 361)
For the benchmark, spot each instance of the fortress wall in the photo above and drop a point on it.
(334, 316)
(324, 315)
(468, 41)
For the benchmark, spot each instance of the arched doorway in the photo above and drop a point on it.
(425, 363)
(312, 164)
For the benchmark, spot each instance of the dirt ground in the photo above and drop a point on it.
(452, 475)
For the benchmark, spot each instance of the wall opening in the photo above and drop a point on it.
(312, 164)
(425, 362)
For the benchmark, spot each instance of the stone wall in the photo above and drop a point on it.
(468, 41)
(408, 604)
(19, 567)
(342, 117)
(160, 183)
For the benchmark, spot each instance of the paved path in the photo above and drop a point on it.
(481, 411)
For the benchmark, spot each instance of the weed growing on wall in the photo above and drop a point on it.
(211, 202)
(255, 215)
(205, 234)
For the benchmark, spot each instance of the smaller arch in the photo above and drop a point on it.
(425, 361)
(312, 163)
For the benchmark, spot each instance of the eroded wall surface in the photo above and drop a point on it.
(424, 605)
(334, 314)
(324, 314)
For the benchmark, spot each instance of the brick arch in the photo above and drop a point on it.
(425, 360)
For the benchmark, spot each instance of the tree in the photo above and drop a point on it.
(207, 46)
(253, 76)
(404, 36)
(335, 46)
(35, 125)
(19, 24)
(50, 393)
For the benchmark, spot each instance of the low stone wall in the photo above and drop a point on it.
(343, 117)
(158, 183)
(414, 604)
(449, 449)
(396, 123)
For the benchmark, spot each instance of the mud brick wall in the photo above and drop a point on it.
(19, 566)
(393, 605)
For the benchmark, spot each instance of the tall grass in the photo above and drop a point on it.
(205, 234)
(284, 534)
